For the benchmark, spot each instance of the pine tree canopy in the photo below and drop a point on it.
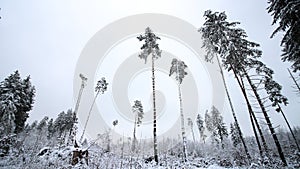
(177, 68)
(137, 109)
(287, 14)
(150, 46)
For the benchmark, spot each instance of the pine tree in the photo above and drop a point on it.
(178, 68)
(50, 128)
(73, 131)
(235, 138)
(215, 125)
(201, 127)
(151, 48)
(211, 49)
(16, 100)
(43, 123)
(101, 87)
(286, 13)
(138, 111)
(273, 90)
(238, 55)
(63, 124)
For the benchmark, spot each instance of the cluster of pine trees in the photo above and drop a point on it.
(226, 44)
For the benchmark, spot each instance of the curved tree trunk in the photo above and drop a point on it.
(233, 112)
(267, 118)
(154, 115)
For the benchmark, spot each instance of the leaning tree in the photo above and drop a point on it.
(73, 131)
(100, 88)
(239, 55)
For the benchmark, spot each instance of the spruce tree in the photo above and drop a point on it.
(215, 125)
(234, 135)
(16, 100)
(201, 127)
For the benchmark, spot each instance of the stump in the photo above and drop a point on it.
(78, 155)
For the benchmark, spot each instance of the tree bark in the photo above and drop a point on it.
(182, 125)
(73, 131)
(193, 133)
(251, 113)
(255, 134)
(181, 117)
(297, 85)
(288, 124)
(134, 136)
(88, 117)
(232, 110)
(154, 115)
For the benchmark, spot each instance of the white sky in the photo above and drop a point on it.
(44, 39)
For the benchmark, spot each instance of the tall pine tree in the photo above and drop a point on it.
(238, 55)
(151, 48)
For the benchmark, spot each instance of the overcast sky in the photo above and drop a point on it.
(44, 39)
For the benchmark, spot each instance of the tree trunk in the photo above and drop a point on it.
(181, 117)
(221, 136)
(255, 134)
(72, 134)
(288, 124)
(122, 153)
(193, 134)
(154, 115)
(264, 111)
(233, 112)
(134, 136)
(182, 125)
(255, 120)
(297, 85)
(88, 117)
(252, 115)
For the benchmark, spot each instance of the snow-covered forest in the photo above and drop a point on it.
(203, 142)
